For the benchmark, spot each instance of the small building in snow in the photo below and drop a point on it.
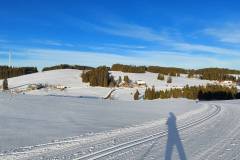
(141, 83)
(35, 86)
(227, 83)
(61, 87)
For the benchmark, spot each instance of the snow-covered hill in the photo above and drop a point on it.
(72, 79)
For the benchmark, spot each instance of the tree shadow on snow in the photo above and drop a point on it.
(173, 139)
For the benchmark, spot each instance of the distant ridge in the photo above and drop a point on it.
(67, 66)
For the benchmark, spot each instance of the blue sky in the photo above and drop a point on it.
(189, 34)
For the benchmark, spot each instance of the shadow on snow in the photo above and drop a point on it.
(173, 139)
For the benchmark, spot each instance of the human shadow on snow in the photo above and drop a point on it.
(173, 139)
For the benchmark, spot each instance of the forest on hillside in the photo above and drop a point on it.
(67, 66)
(209, 92)
(8, 72)
(128, 68)
(219, 74)
(99, 76)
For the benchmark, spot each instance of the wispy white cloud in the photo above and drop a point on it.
(114, 47)
(53, 43)
(125, 46)
(229, 33)
(46, 57)
(132, 31)
(148, 34)
(206, 48)
(175, 53)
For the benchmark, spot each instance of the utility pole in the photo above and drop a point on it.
(10, 58)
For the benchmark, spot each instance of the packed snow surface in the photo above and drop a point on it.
(28, 120)
(42, 127)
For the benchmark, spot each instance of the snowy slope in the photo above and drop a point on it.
(151, 80)
(72, 79)
(69, 77)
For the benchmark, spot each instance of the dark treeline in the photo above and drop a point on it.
(8, 72)
(128, 68)
(222, 70)
(209, 92)
(98, 77)
(220, 74)
(142, 69)
(172, 71)
(67, 66)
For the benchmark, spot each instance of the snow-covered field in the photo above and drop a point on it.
(37, 126)
(28, 120)
(72, 79)
(41, 127)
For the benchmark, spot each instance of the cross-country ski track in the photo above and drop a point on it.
(206, 132)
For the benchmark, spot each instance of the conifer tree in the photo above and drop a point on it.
(119, 80)
(190, 75)
(160, 77)
(169, 80)
(136, 95)
(126, 79)
(5, 84)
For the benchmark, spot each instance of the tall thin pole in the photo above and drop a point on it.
(10, 58)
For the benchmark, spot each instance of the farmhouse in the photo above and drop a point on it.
(141, 83)
(61, 87)
(226, 83)
(35, 86)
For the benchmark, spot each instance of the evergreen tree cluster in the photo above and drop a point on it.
(128, 68)
(142, 69)
(8, 72)
(172, 71)
(160, 77)
(98, 77)
(67, 66)
(209, 92)
(126, 79)
(219, 74)
(191, 74)
(218, 70)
